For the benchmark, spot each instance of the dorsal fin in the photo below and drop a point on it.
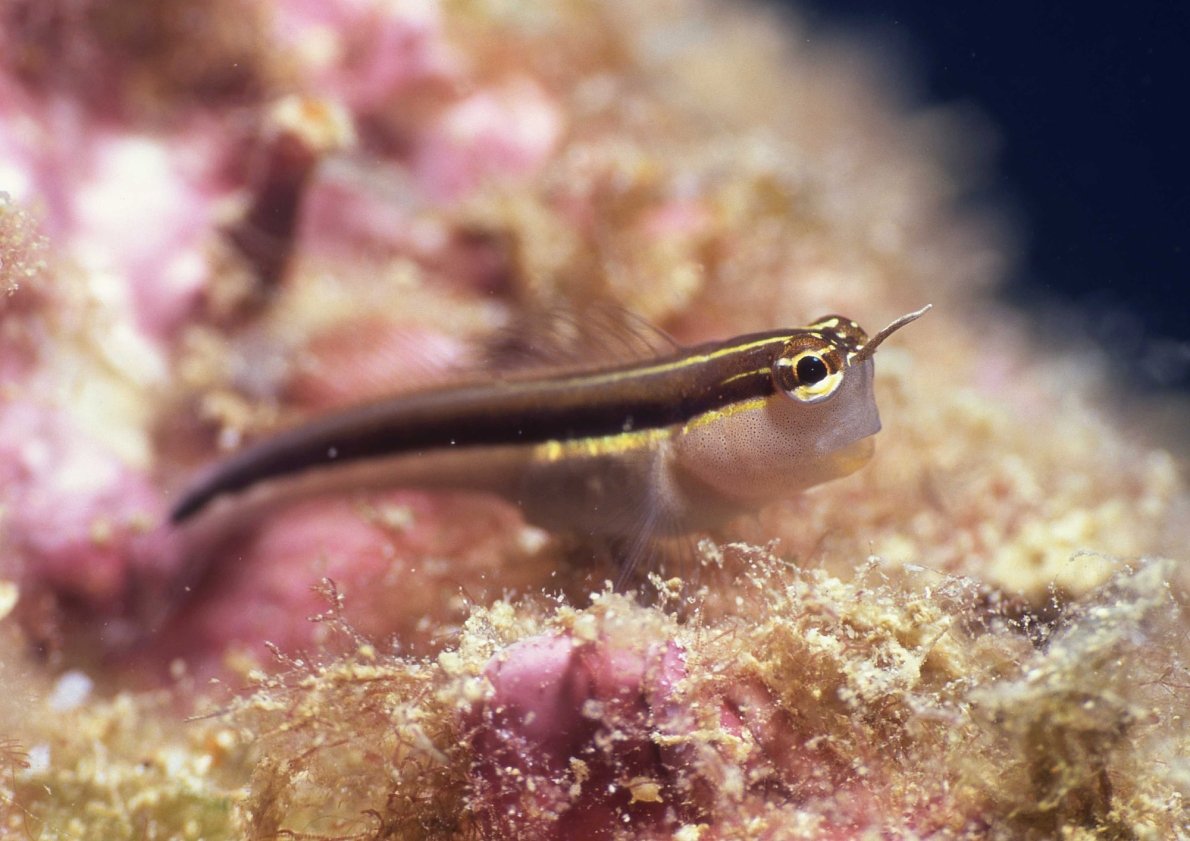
(562, 338)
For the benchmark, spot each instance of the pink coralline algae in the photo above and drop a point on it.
(506, 132)
(573, 717)
(584, 733)
(365, 54)
(81, 549)
(174, 225)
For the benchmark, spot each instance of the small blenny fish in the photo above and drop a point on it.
(663, 446)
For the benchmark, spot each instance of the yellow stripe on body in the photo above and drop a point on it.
(761, 371)
(726, 412)
(603, 445)
(625, 442)
(703, 358)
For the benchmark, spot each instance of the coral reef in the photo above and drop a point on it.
(219, 222)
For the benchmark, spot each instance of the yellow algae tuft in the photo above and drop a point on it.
(850, 697)
(116, 768)
(22, 248)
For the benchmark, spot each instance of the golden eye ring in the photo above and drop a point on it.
(807, 377)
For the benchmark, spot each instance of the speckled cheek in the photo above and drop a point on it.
(750, 454)
(778, 447)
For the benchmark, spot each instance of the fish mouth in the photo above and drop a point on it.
(846, 460)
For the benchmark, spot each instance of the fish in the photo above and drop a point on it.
(668, 445)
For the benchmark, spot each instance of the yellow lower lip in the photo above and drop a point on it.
(854, 456)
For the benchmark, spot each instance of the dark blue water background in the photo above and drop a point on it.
(1092, 103)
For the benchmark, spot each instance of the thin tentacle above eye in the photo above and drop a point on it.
(869, 349)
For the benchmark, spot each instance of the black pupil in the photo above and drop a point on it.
(810, 370)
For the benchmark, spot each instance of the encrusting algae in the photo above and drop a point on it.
(975, 636)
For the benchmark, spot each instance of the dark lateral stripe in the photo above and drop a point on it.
(647, 395)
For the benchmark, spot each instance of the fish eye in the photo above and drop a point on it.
(807, 377)
(811, 369)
